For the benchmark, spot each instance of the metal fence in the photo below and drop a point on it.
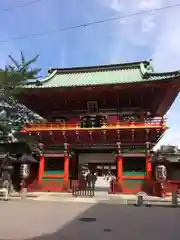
(81, 190)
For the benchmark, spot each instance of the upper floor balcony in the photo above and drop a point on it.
(90, 125)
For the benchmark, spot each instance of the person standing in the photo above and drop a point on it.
(93, 179)
(88, 179)
(112, 183)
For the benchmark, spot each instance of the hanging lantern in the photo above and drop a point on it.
(66, 146)
(158, 132)
(148, 145)
(40, 146)
(77, 135)
(148, 113)
(90, 135)
(133, 134)
(24, 171)
(66, 154)
(147, 131)
(147, 134)
(64, 135)
(118, 148)
(118, 137)
(161, 173)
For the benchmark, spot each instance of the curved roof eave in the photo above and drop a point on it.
(161, 75)
(41, 82)
(130, 73)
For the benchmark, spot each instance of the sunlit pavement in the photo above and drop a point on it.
(72, 221)
(100, 197)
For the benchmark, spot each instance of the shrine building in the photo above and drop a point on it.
(104, 118)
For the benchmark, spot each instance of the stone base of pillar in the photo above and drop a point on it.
(65, 186)
(119, 187)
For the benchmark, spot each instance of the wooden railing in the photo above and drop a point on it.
(153, 123)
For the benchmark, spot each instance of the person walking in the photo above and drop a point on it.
(93, 179)
(88, 179)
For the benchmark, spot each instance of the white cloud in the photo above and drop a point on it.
(141, 28)
(148, 24)
(167, 48)
(137, 31)
(149, 4)
(138, 5)
(155, 32)
(160, 33)
(115, 4)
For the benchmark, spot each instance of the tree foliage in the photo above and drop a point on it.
(14, 115)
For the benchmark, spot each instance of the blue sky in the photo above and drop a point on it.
(154, 35)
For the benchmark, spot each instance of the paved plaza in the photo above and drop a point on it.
(86, 221)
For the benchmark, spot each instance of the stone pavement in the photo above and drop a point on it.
(99, 197)
(38, 220)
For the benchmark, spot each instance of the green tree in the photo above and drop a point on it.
(14, 115)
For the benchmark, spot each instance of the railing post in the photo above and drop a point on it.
(93, 189)
(139, 200)
(174, 199)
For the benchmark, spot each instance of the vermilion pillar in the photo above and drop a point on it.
(41, 168)
(119, 169)
(66, 171)
(148, 167)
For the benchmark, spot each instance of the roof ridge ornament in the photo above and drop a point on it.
(146, 68)
(143, 69)
(151, 65)
(41, 81)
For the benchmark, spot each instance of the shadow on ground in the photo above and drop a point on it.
(104, 221)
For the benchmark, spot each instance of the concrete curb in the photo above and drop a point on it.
(28, 196)
(94, 200)
(99, 198)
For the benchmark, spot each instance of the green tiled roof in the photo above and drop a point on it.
(163, 76)
(102, 75)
